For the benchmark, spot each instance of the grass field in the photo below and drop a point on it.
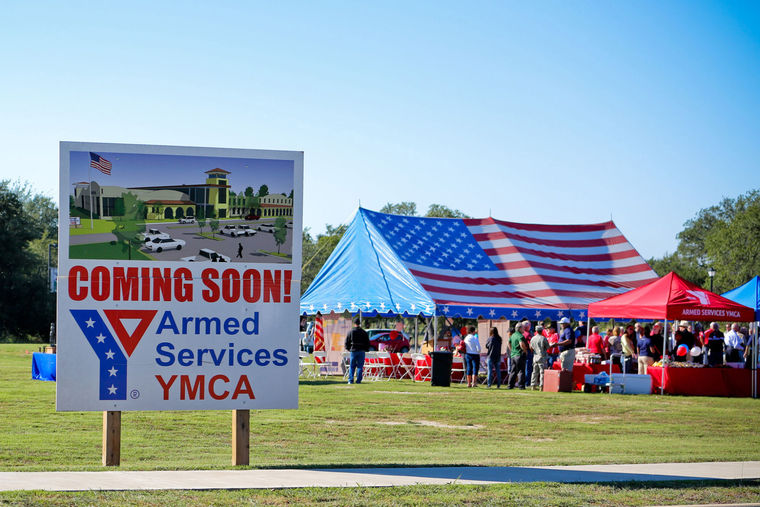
(380, 423)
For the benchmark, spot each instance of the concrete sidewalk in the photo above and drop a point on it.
(300, 478)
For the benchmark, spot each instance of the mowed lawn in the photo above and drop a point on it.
(380, 423)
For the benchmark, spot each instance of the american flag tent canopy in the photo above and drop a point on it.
(392, 264)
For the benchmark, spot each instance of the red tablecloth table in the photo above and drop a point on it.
(580, 370)
(736, 382)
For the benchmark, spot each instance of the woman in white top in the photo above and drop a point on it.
(472, 356)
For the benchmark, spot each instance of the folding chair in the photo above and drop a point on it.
(346, 363)
(372, 369)
(420, 362)
(322, 365)
(385, 365)
(405, 367)
(306, 365)
(457, 366)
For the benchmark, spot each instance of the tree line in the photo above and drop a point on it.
(724, 237)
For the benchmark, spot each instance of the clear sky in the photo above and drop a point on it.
(548, 112)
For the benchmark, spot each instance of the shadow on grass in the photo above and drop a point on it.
(628, 480)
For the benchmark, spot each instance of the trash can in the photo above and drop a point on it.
(441, 369)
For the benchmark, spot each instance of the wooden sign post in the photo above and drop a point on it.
(111, 438)
(241, 431)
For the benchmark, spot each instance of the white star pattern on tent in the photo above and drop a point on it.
(446, 309)
(469, 311)
(492, 312)
(538, 313)
(427, 241)
(514, 314)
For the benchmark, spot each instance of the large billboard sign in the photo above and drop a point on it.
(179, 278)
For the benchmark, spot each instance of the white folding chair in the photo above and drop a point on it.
(306, 365)
(404, 370)
(346, 363)
(322, 365)
(420, 361)
(384, 363)
(458, 366)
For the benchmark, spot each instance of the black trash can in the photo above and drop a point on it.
(441, 369)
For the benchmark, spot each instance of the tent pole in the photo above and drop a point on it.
(435, 332)
(664, 348)
(588, 328)
(753, 358)
(415, 333)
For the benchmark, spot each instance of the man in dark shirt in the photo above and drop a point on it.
(714, 345)
(357, 343)
(566, 345)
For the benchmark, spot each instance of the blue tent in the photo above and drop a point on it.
(401, 265)
(363, 273)
(747, 295)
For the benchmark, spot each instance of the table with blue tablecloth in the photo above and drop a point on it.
(43, 366)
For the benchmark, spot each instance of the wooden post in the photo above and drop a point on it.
(111, 438)
(241, 431)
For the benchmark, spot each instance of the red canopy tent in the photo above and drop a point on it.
(671, 298)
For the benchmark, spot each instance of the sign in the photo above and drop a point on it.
(180, 289)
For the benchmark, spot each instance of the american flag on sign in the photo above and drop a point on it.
(488, 262)
(100, 163)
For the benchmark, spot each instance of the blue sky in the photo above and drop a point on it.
(549, 112)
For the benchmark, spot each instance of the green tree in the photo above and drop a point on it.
(130, 224)
(290, 195)
(213, 224)
(249, 191)
(201, 223)
(28, 224)
(263, 191)
(723, 236)
(316, 251)
(441, 211)
(280, 232)
(407, 208)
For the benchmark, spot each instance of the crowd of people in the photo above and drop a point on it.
(633, 348)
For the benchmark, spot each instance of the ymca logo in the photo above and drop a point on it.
(112, 358)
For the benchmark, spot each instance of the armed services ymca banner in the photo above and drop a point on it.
(179, 278)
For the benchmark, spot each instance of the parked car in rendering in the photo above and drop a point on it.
(187, 220)
(266, 228)
(229, 230)
(245, 230)
(206, 255)
(252, 216)
(161, 244)
(152, 234)
(388, 339)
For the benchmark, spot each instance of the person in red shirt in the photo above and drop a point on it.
(553, 351)
(595, 344)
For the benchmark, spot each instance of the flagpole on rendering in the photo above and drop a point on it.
(89, 188)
